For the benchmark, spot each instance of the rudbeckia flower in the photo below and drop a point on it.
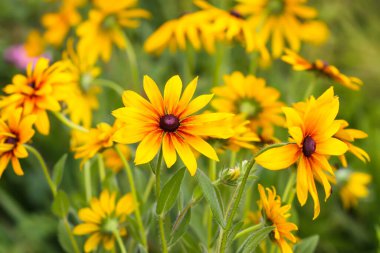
(37, 92)
(105, 27)
(15, 132)
(249, 97)
(168, 122)
(312, 132)
(103, 219)
(348, 135)
(280, 20)
(354, 188)
(276, 215)
(323, 68)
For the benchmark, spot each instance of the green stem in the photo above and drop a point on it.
(44, 167)
(131, 181)
(158, 174)
(119, 241)
(109, 84)
(289, 186)
(132, 64)
(218, 64)
(253, 62)
(212, 174)
(11, 206)
(87, 181)
(249, 230)
(311, 87)
(233, 159)
(69, 123)
(162, 234)
(148, 188)
(102, 171)
(71, 236)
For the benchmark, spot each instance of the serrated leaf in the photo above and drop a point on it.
(307, 245)
(180, 225)
(58, 170)
(61, 204)
(169, 192)
(251, 243)
(211, 196)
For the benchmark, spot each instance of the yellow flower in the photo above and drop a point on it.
(37, 92)
(194, 27)
(35, 44)
(105, 27)
(282, 20)
(59, 24)
(13, 134)
(312, 132)
(348, 135)
(322, 67)
(81, 97)
(112, 158)
(249, 97)
(104, 218)
(95, 141)
(277, 215)
(168, 121)
(355, 188)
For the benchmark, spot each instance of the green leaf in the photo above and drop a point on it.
(307, 245)
(61, 204)
(64, 238)
(58, 170)
(251, 243)
(170, 192)
(211, 196)
(233, 232)
(180, 225)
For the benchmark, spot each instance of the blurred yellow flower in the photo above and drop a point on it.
(105, 27)
(355, 188)
(168, 122)
(35, 44)
(322, 67)
(13, 134)
(348, 135)
(311, 133)
(95, 141)
(282, 21)
(58, 24)
(37, 92)
(112, 158)
(276, 215)
(81, 95)
(249, 97)
(103, 219)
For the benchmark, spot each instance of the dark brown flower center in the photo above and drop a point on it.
(236, 14)
(309, 146)
(32, 84)
(169, 123)
(11, 140)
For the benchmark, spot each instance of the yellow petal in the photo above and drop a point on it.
(86, 228)
(148, 147)
(172, 93)
(126, 205)
(279, 158)
(201, 146)
(168, 150)
(92, 242)
(302, 185)
(154, 94)
(186, 154)
(331, 146)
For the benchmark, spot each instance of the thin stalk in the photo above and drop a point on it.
(71, 236)
(158, 176)
(119, 241)
(233, 159)
(289, 186)
(69, 123)
(131, 55)
(102, 171)
(249, 230)
(109, 84)
(218, 64)
(212, 175)
(44, 167)
(87, 181)
(162, 234)
(131, 181)
(148, 188)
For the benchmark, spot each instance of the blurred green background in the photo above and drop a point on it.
(26, 222)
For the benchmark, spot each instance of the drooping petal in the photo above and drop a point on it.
(186, 154)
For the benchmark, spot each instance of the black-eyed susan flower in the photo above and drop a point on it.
(312, 132)
(81, 98)
(249, 97)
(58, 24)
(319, 66)
(15, 132)
(105, 27)
(276, 215)
(37, 92)
(168, 122)
(95, 140)
(281, 21)
(348, 135)
(103, 218)
(112, 159)
(355, 187)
